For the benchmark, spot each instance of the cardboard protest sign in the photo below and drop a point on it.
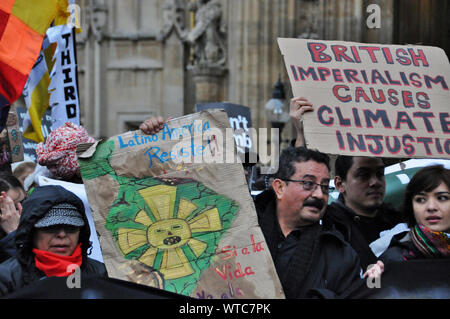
(173, 214)
(372, 99)
(240, 121)
(11, 149)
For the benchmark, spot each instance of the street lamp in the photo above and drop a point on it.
(276, 107)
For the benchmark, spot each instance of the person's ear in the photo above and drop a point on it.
(340, 184)
(19, 208)
(279, 187)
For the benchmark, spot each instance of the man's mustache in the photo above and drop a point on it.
(314, 202)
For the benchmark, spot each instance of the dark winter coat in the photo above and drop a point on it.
(402, 248)
(7, 246)
(323, 264)
(360, 231)
(20, 271)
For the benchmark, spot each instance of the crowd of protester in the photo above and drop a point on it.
(320, 250)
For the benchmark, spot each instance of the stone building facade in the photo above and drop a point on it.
(139, 58)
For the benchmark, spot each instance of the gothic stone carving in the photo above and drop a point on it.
(208, 35)
(173, 18)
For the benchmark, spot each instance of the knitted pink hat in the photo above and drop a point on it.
(59, 151)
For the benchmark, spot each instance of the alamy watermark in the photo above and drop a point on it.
(199, 143)
(373, 21)
(73, 21)
(73, 280)
(374, 281)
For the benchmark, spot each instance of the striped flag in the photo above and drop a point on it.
(36, 91)
(23, 24)
(36, 94)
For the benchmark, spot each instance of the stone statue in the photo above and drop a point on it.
(207, 36)
(173, 18)
(98, 14)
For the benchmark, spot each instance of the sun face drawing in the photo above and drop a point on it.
(171, 232)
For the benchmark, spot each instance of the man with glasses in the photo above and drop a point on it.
(359, 213)
(309, 260)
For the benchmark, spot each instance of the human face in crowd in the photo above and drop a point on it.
(57, 239)
(364, 186)
(432, 209)
(299, 206)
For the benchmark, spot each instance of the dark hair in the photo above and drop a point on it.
(425, 180)
(342, 166)
(292, 155)
(9, 181)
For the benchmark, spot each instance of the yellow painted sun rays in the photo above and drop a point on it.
(167, 232)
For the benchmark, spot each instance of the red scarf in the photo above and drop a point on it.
(56, 265)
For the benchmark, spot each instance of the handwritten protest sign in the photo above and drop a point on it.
(11, 149)
(371, 99)
(173, 213)
(240, 121)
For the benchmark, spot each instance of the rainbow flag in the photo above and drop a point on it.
(23, 24)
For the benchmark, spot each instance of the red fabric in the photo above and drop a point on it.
(4, 16)
(22, 29)
(12, 82)
(56, 265)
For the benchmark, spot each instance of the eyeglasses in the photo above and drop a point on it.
(311, 186)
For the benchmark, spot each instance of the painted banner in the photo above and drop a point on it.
(240, 121)
(11, 149)
(372, 99)
(63, 86)
(174, 212)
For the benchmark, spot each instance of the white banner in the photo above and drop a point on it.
(63, 86)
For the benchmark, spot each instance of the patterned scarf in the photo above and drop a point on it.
(431, 244)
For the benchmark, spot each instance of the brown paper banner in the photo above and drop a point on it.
(372, 99)
(174, 212)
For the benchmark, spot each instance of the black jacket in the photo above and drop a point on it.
(323, 264)
(7, 246)
(21, 271)
(402, 249)
(360, 231)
